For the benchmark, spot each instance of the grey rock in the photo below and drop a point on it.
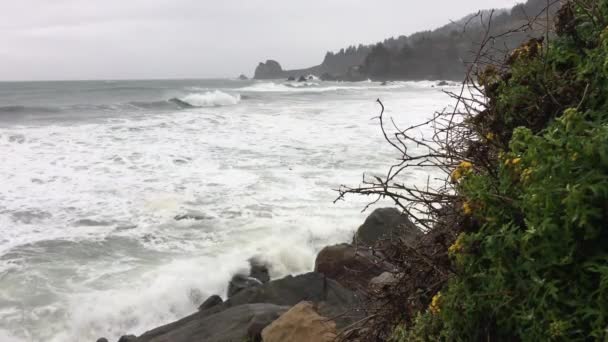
(259, 270)
(238, 323)
(386, 223)
(270, 69)
(384, 279)
(211, 302)
(240, 282)
(102, 339)
(302, 79)
(242, 316)
(352, 267)
(127, 338)
(333, 298)
(243, 77)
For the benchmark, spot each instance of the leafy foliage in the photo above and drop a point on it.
(532, 263)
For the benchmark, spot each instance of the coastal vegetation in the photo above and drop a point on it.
(516, 247)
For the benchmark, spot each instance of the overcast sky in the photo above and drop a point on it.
(126, 39)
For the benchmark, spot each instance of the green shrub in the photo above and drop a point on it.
(532, 264)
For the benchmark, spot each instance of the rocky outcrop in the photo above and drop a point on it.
(353, 268)
(211, 302)
(386, 223)
(257, 306)
(242, 77)
(246, 313)
(258, 275)
(301, 323)
(238, 323)
(259, 270)
(269, 70)
(240, 282)
(332, 298)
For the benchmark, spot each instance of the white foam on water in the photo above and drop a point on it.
(211, 99)
(88, 242)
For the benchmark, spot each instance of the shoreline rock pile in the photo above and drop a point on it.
(314, 306)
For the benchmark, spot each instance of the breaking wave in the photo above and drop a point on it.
(209, 99)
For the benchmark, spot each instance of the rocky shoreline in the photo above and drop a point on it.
(315, 306)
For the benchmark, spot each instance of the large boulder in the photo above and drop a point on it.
(300, 324)
(211, 302)
(259, 270)
(331, 297)
(238, 323)
(258, 275)
(351, 267)
(269, 70)
(239, 282)
(250, 310)
(385, 224)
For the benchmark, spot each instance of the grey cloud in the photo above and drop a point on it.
(111, 39)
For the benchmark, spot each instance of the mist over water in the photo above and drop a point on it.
(93, 175)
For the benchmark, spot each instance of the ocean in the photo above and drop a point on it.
(96, 176)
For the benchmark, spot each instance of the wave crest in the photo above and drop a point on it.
(214, 98)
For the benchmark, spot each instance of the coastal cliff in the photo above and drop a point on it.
(440, 54)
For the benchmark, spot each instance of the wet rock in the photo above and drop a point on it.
(211, 302)
(328, 77)
(331, 297)
(243, 316)
(103, 339)
(291, 78)
(302, 79)
(442, 84)
(259, 270)
(386, 223)
(351, 267)
(238, 323)
(301, 323)
(239, 282)
(127, 338)
(243, 77)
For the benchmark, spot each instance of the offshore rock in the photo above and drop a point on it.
(269, 70)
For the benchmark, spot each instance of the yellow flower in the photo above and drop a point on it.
(457, 246)
(490, 136)
(516, 161)
(435, 306)
(465, 165)
(456, 175)
(462, 170)
(467, 209)
(525, 175)
(574, 156)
